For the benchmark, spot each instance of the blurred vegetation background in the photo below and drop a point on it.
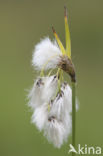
(22, 24)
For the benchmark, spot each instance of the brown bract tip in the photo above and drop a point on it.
(53, 30)
(65, 11)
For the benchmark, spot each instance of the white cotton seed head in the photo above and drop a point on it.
(67, 96)
(35, 93)
(59, 124)
(43, 91)
(40, 116)
(57, 131)
(56, 121)
(40, 95)
(57, 108)
(60, 111)
(67, 121)
(50, 87)
(46, 55)
(62, 104)
(54, 132)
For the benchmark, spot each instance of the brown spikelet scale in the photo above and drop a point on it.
(67, 65)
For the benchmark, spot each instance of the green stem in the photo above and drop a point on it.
(73, 114)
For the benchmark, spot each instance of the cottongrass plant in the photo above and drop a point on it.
(51, 98)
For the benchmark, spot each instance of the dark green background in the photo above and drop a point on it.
(22, 24)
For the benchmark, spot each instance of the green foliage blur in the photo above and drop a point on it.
(22, 24)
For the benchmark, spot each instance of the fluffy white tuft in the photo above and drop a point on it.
(43, 90)
(62, 103)
(52, 115)
(50, 87)
(46, 54)
(54, 131)
(67, 96)
(60, 112)
(35, 93)
(40, 116)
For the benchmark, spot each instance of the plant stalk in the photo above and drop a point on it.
(73, 114)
